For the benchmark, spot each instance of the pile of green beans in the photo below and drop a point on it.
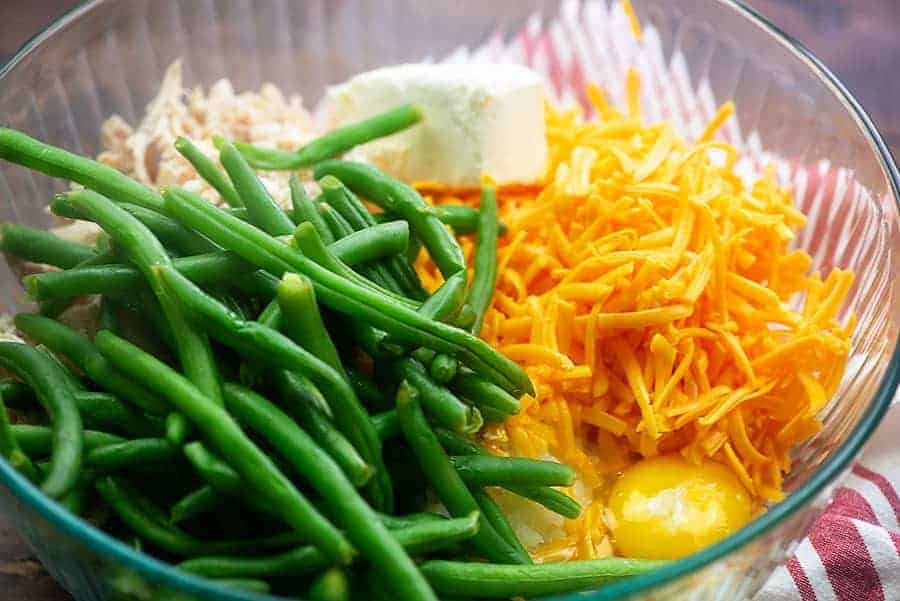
(269, 396)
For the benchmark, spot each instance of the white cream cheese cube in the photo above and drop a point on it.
(478, 119)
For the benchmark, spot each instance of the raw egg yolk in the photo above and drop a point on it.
(666, 507)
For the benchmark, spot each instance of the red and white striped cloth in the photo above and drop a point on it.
(852, 553)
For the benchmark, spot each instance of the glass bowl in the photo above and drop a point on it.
(108, 56)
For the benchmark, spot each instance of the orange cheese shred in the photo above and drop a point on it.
(652, 296)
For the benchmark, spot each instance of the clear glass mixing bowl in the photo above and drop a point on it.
(108, 56)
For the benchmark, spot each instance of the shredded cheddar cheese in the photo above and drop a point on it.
(654, 301)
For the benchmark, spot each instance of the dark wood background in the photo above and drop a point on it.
(858, 39)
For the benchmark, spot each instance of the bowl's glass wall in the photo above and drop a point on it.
(110, 57)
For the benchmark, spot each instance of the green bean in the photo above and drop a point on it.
(192, 346)
(200, 501)
(444, 479)
(41, 246)
(52, 388)
(462, 218)
(386, 424)
(401, 199)
(367, 390)
(261, 208)
(108, 316)
(337, 225)
(225, 434)
(17, 147)
(443, 368)
(504, 581)
(465, 318)
(447, 299)
(38, 440)
(360, 522)
(172, 234)
(397, 274)
(218, 267)
(245, 584)
(496, 518)
(550, 498)
(208, 170)
(373, 243)
(318, 425)
(341, 295)
(484, 470)
(133, 453)
(303, 321)
(10, 447)
(305, 209)
(280, 351)
(56, 307)
(333, 143)
(440, 404)
(223, 479)
(131, 509)
(485, 278)
(307, 241)
(80, 350)
(16, 395)
(484, 394)
(330, 586)
(106, 412)
(417, 538)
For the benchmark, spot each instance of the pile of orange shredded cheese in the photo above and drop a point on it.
(646, 290)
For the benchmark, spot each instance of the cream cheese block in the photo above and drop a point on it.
(478, 119)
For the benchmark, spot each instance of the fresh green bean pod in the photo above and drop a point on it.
(417, 538)
(496, 518)
(342, 295)
(484, 394)
(443, 368)
(440, 404)
(130, 454)
(292, 389)
(81, 351)
(444, 479)
(52, 388)
(56, 307)
(360, 522)
(11, 450)
(446, 300)
(396, 273)
(373, 243)
(386, 424)
(492, 581)
(38, 440)
(485, 470)
(41, 246)
(552, 499)
(209, 171)
(269, 345)
(225, 434)
(131, 509)
(485, 278)
(20, 148)
(403, 200)
(305, 209)
(368, 391)
(223, 479)
(146, 252)
(333, 143)
(330, 586)
(198, 502)
(262, 210)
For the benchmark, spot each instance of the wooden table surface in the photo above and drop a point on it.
(858, 40)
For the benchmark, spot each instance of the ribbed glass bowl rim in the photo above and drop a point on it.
(165, 574)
